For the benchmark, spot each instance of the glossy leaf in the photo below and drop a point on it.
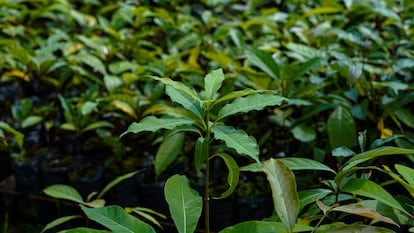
(341, 128)
(284, 193)
(264, 227)
(358, 209)
(185, 100)
(63, 191)
(307, 197)
(305, 164)
(117, 219)
(185, 204)
(200, 155)
(168, 151)
(152, 124)
(249, 103)
(263, 61)
(237, 140)
(213, 82)
(232, 175)
(370, 189)
(59, 221)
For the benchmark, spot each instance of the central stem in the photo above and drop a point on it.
(207, 178)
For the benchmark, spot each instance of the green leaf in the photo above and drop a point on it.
(263, 61)
(181, 87)
(185, 204)
(117, 220)
(116, 181)
(200, 154)
(83, 230)
(232, 175)
(237, 140)
(153, 124)
(307, 197)
(254, 226)
(97, 125)
(92, 61)
(19, 136)
(304, 133)
(305, 164)
(358, 209)
(88, 107)
(249, 103)
(406, 172)
(59, 221)
(284, 192)
(213, 82)
(185, 100)
(406, 117)
(112, 82)
(374, 153)
(31, 121)
(168, 151)
(63, 191)
(341, 128)
(342, 152)
(360, 228)
(367, 188)
(235, 94)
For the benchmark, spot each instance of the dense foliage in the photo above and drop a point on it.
(321, 88)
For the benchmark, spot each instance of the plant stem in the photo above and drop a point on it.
(207, 179)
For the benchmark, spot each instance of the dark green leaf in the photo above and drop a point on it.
(168, 151)
(232, 175)
(153, 124)
(341, 128)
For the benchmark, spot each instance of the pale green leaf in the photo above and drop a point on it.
(117, 219)
(31, 121)
(342, 152)
(92, 61)
(59, 221)
(295, 163)
(232, 175)
(213, 82)
(249, 103)
(63, 191)
(152, 124)
(284, 191)
(264, 62)
(168, 151)
(88, 107)
(237, 140)
(406, 172)
(310, 196)
(185, 204)
(358, 209)
(112, 82)
(357, 228)
(341, 128)
(303, 133)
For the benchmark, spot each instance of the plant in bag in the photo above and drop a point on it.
(203, 113)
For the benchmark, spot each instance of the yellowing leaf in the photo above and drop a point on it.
(385, 132)
(125, 108)
(192, 59)
(18, 74)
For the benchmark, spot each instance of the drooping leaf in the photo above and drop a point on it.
(305, 164)
(374, 153)
(117, 219)
(255, 226)
(146, 213)
(63, 191)
(185, 100)
(284, 192)
(358, 209)
(249, 103)
(341, 128)
(370, 189)
(237, 140)
(152, 124)
(168, 151)
(263, 61)
(200, 154)
(213, 82)
(232, 175)
(59, 221)
(185, 204)
(116, 181)
(360, 228)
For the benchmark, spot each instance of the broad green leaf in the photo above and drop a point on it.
(59, 221)
(406, 172)
(97, 125)
(31, 121)
(406, 117)
(232, 175)
(213, 82)
(121, 66)
(341, 128)
(305, 164)
(253, 167)
(300, 69)
(88, 107)
(181, 87)
(18, 136)
(92, 61)
(112, 82)
(185, 204)
(370, 189)
(304, 51)
(304, 133)
(264, 62)
(237, 140)
(374, 153)
(342, 152)
(117, 219)
(83, 230)
(358, 209)
(249, 103)
(115, 182)
(284, 192)
(307, 197)
(254, 226)
(168, 151)
(185, 100)
(200, 154)
(235, 94)
(360, 228)
(152, 124)
(69, 126)
(63, 191)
